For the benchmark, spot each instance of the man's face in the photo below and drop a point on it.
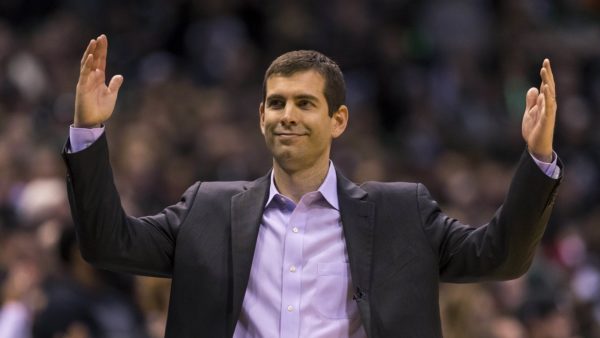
(295, 122)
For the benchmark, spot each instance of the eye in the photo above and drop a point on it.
(305, 104)
(275, 103)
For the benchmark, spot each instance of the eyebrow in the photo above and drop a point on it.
(306, 97)
(296, 97)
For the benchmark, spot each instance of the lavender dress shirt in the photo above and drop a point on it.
(300, 284)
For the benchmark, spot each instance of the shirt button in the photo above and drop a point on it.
(295, 230)
(290, 308)
(292, 268)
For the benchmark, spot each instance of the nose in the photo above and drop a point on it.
(290, 115)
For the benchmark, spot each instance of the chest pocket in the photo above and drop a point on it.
(334, 291)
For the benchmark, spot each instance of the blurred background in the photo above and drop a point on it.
(436, 94)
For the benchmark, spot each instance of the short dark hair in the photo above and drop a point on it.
(303, 60)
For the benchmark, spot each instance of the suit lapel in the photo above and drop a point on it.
(357, 220)
(246, 214)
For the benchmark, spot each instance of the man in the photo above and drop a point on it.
(302, 251)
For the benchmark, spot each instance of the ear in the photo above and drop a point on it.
(339, 121)
(261, 113)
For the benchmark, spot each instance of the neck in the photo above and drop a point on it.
(295, 183)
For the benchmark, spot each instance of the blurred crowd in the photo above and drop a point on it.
(436, 92)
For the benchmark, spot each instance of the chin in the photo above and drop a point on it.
(283, 156)
(288, 160)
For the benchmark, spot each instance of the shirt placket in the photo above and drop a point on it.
(292, 272)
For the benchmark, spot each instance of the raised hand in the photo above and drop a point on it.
(94, 100)
(540, 115)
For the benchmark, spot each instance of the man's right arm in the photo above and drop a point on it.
(108, 237)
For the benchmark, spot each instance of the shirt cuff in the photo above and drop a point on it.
(81, 138)
(550, 169)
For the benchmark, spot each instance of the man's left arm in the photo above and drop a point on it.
(551, 169)
(504, 248)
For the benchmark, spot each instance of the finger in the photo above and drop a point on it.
(537, 108)
(102, 51)
(550, 83)
(548, 78)
(530, 119)
(547, 81)
(549, 100)
(541, 105)
(98, 51)
(543, 76)
(548, 68)
(115, 84)
(89, 49)
(86, 69)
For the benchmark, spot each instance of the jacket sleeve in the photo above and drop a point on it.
(501, 249)
(108, 238)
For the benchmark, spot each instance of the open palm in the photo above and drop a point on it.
(94, 100)
(540, 115)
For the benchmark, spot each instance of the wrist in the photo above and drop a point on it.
(544, 156)
(77, 124)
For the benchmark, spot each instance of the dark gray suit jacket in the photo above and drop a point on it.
(400, 245)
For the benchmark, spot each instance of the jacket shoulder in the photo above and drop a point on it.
(229, 189)
(384, 188)
(223, 188)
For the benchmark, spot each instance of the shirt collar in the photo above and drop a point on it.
(328, 188)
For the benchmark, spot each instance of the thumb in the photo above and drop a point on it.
(115, 83)
(531, 98)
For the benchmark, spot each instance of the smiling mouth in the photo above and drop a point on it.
(288, 134)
